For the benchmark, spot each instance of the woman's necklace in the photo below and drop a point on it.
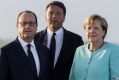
(94, 49)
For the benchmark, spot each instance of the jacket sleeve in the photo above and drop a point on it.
(3, 66)
(114, 64)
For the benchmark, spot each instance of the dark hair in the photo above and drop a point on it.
(57, 3)
(27, 11)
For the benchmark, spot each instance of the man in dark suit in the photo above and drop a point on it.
(66, 42)
(24, 58)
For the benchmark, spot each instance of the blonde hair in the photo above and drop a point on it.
(94, 17)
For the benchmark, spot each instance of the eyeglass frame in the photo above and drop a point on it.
(24, 23)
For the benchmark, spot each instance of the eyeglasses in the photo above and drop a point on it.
(30, 23)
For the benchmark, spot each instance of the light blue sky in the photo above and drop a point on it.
(77, 11)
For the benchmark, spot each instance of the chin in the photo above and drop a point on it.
(92, 40)
(27, 36)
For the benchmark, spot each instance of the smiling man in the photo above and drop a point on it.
(24, 58)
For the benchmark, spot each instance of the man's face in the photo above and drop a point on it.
(27, 26)
(54, 17)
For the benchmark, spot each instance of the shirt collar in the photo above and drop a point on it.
(23, 43)
(58, 32)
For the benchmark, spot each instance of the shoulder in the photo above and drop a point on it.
(40, 33)
(9, 45)
(82, 47)
(111, 49)
(9, 48)
(73, 38)
(72, 34)
(80, 51)
(111, 46)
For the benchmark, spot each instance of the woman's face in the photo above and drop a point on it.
(94, 32)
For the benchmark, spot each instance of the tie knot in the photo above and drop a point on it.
(54, 34)
(28, 45)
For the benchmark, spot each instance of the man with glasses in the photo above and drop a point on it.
(24, 58)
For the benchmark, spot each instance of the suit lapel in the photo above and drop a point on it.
(23, 56)
(41, 58)
(63, 48)
(39, 53)
(43, 36)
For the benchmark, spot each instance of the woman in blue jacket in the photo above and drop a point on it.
(96, 60)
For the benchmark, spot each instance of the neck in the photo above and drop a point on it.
(95, 46)
(54, 29)
(28, 40)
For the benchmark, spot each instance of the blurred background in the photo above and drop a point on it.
(77, 12)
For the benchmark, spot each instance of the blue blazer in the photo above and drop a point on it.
(63, 65)
(14, 64)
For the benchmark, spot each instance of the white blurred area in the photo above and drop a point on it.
(77, 12)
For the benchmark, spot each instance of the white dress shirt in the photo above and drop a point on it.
(59, 41)
(34, 51)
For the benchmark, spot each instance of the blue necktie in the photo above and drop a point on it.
(52, 50)
(31, 59)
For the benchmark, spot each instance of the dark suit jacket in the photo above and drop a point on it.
(14, 63)
(70, 42)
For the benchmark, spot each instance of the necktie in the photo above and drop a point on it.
(52, 50)
(31, 59)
